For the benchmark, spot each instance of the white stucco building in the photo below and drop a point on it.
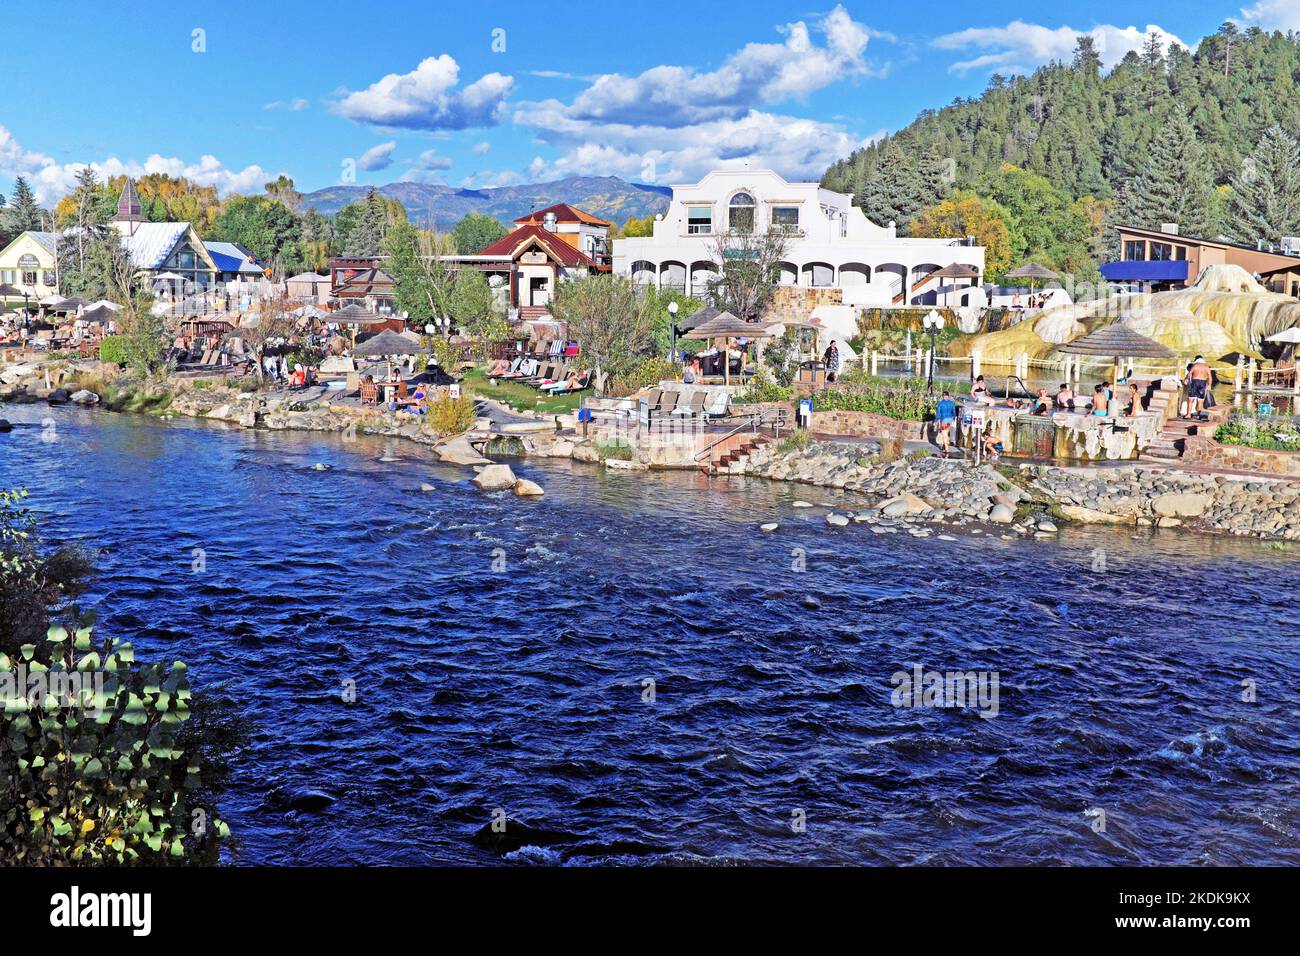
(832, 243)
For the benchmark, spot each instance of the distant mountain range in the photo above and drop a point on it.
(606, 196)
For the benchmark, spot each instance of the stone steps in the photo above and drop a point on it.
(742, 450)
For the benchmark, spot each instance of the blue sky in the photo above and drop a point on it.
(479, 94)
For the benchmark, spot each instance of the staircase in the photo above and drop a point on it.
(534, 313)
(734, 454)
(1169, 444)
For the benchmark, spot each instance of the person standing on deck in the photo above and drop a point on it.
(1198, 386)
(945, 415)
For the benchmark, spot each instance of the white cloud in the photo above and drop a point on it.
(295, 105)
(756, 75)
(430, 159)
(482, 149)
(793, 146)
(429, 98)
(1012, 47)
(1273, 15)
(488, 179)
(675, 123)
(377, 157)
(51, 180)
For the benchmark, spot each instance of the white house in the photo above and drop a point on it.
(832, 244)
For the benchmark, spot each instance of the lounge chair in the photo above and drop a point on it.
(692, 408)
(564, 388)
(547, 375)
(666, 406)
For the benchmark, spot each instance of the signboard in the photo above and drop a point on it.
(453, 390)
(975, 419)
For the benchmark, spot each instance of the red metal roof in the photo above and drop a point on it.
(555, 247)
(563, 213)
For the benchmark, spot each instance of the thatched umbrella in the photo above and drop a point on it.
(958, 270)
(724, 325)
(1116, 341)
(8, 291)
(355, 315)
(1032, 271)
(387, 344)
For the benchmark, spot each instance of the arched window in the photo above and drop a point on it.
(740, 213)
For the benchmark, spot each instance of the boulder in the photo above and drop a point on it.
(1089, 515)
(84, 396)
(802, 504)
(1181, 505)
(58, 396)
(839, 521)
(5, 426)
(1002, 514)
(770, 526)
(905, 504)
(495, 478)
(585, 451)
(528, 489)
(459, 451)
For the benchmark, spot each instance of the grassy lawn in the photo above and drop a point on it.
(520, 397)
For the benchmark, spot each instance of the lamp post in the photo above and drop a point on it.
(672, 328)
(933, 323)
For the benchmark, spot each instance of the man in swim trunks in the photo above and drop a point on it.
(1198, 386)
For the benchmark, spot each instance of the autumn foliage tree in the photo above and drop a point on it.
(966, 214)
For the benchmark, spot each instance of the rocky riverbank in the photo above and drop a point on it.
(1168, 498)
(906, 493)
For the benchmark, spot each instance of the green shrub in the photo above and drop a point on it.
(112, 349)
(796, 441)
(92, 774)
(899, 398)
(616, 448)
(1256, 432)
(451, 416)
(650, 372)
(763, 387)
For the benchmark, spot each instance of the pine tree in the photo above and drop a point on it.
(892, 191)
(1266, 192)
(367, 236)
(24, 211)
(1174, 183)
(1086, 58)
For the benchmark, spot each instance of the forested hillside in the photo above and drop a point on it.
(1045, 165)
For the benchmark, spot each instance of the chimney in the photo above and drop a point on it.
(548, 222)
(1169, 228)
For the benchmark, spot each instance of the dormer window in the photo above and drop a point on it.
(740, 213)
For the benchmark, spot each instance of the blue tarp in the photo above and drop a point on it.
(1134, 270)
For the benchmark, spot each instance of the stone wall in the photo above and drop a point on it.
(796, 303)
(867, 425)
(1207, 451)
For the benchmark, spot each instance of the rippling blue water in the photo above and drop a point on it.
(522, 689)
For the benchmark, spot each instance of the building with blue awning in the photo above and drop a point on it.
(1158, 260)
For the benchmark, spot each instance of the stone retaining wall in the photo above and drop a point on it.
(867, 425)
(1207, 451)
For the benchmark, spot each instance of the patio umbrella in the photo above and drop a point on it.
(958, 270)
(1032, 271)
(1116, 341)
(724, 325)
(355, 315)
(387, 344)
(8, 292)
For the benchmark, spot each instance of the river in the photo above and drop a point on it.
(501, 650)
